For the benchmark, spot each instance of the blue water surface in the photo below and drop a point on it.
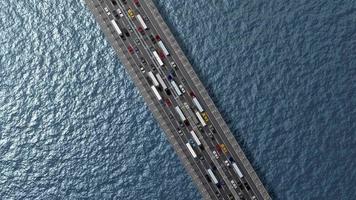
(73, 126)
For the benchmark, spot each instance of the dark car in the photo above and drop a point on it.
(153, 39)
(143, 61)
(126, 32)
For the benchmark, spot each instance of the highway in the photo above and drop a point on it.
(179, 102)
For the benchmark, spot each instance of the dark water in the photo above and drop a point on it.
(73, 126)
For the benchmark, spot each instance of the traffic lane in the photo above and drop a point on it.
(162, 35)
(177, 63)
(151, 97)
(135, 27)
(143, 41)
(212, 147)
(148, 58)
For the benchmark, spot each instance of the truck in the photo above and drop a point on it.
(180, 113)
(191, 150)
(237, 170)
(197, 104)
(200, 118)
(213, 177)
(195, 137)
(153, 78)
(116, 27)
(164, 49)
(176, 88)
(142, 22)
(158, 59)
(158, 96)
(160, 80)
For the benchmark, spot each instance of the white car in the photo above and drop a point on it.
(227, 163)
(107, 11)
(216, 154)
(181, 88)
(234, 184)
(119, 12)
(174, 65)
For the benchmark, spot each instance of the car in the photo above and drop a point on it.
(224, 148)
(218, 148)
(174, 65)
(143, 61)
(253, 197)
(200, 129)
(217, 194)
(201, 157)
(137, 3)
(208, 178)
(119, 13)
(130, 29)
(137, 41)
(182, 88)
(247, 186)
(114, 2)
(205, 117)
(227, 163)
(170, 77)
(158, 38)
(168, 91)
(140, 29)
(152, 49)
(186, 122)
(107, 10)
(240, 185)
(171, 116)
(180, 132)
(142, 69)
(168, 102)
(181, 124)
(137, 50)
(231, 159)
(153, 39)
(230, 196)
(131, 13)
(126, 32)
(212, 129)
(216, 154)
(161, 55)
(130, 49)
(213, 167)
(192, 94)
(210, 135)
(234, 185)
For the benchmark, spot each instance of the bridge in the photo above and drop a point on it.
(177, 99)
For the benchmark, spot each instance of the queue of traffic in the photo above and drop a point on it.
(160, 72)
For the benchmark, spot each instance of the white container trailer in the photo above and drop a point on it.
(160, 80)
(191, 150)
(237, 170)
(156, 93)
(200, 118)
(197, 104)
(164, 49)
(176, 88)
(212, 176)
(116, 27)
(142, 22)
(180, 113)
(153, 78)
(158, 59)
(195, 137)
